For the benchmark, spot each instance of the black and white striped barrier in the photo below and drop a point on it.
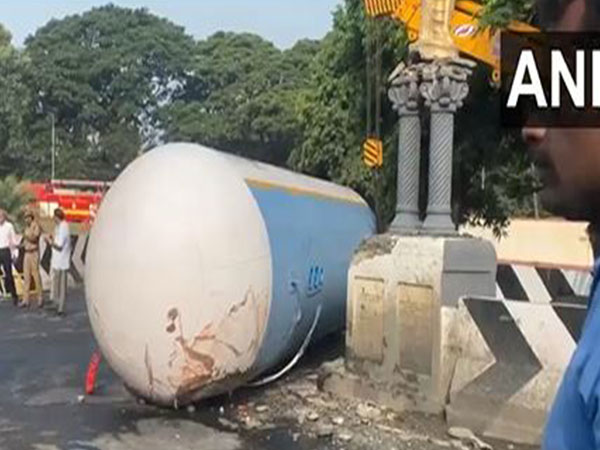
(542, 284)
(512, 356)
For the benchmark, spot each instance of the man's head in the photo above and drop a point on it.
(59, 215)
(568, 160)
(28, 217)
(2, 216)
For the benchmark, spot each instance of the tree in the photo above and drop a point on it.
(492, 176)
(242, 96)
(333, 111)
(498, 13)
(333, 119)
(14, 196)
(104, 75)
(14, 108)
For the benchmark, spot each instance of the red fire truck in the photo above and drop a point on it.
(78, 198)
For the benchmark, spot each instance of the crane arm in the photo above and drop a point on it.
(470, 39)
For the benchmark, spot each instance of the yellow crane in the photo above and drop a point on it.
(470, 38)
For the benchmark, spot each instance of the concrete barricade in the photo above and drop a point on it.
(539, 283)
(403, 293)
(511, 360)
(493, 360)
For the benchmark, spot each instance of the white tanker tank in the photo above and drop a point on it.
(205, 270)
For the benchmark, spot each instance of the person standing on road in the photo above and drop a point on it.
(61, 258)
(8, 243)
(568, 163)
(31, 260)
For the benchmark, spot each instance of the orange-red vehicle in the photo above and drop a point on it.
(79, 199)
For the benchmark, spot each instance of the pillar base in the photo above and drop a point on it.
(439, 224)
(403, 293)
(406, 223)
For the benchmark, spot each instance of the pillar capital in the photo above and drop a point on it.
(404, 92)
(444, 84)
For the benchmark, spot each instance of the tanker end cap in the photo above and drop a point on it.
(179, 301)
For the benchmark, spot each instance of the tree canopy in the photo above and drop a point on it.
(498, 13)
(14, 108)
(105, 75)
(333, 120)
(242, 96)
(117, 81)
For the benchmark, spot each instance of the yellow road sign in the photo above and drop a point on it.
(377, 8)
(373, 153)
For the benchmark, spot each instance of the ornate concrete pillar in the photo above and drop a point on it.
(444, 86)
(405, 97)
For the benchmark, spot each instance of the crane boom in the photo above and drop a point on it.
(470, 38)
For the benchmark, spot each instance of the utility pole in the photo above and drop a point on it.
(53, 146)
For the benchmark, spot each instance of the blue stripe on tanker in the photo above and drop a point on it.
(312, 238)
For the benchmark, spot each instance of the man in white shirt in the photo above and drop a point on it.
(61, 259)
(8, 243)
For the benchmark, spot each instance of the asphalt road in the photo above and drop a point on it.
(43, 360)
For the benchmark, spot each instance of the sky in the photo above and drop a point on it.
(281, 21)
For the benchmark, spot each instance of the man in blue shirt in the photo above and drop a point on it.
(568, 161)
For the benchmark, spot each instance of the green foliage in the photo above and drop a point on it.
(14, 196)
(333, 110)
(333, 119)
(14, 108)
(492, 177)
(5, 37)
(105, 74)
(498, 13)
(119, 80)
(242, 96)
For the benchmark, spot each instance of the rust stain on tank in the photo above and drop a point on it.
(206, 361)
(204, 358)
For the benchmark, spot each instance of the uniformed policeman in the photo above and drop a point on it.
(31, 260)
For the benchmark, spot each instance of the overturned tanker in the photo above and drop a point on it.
(205, 271)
